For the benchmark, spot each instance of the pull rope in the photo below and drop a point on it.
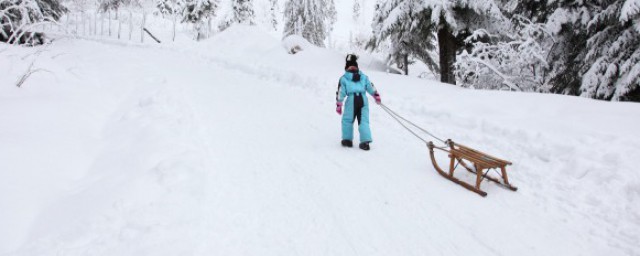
(400, 118)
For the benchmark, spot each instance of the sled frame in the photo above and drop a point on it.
(479, 164)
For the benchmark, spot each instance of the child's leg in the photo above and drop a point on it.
(363, 129)
(347, 120)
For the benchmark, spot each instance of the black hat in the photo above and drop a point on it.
(351, 61)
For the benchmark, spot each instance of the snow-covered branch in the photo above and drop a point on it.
(515, 58)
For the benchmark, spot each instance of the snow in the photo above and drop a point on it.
(230, 146)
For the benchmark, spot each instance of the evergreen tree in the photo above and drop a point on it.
(197, 12)
(597, 47)
(311, 19)
(357, 36)
(455, 21)
(273, 10)
(330, 13)
(409, 32)
(612, 54)
(170, 7)
(357, 11)
(631, 12)
(173, 9)
(106, 5)
(242, 14)
(452, 20)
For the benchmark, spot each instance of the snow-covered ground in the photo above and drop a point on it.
(230, 146)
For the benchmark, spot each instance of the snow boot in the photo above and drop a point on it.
(364, 145)
(347, 143)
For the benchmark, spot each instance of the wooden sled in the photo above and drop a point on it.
(479, 163)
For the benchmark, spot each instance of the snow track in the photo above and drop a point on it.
(233, 149)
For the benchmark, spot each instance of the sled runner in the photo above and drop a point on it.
(473, 161)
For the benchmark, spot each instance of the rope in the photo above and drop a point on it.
(398, 117)
(403, 125)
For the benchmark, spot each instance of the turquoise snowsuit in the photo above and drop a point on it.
(356, 105)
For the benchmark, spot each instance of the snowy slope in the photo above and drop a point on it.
(231, 147)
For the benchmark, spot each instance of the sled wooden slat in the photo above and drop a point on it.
(479, 164)
(465, 148)
(475, 158)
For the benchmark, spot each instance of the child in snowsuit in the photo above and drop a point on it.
(354, 85)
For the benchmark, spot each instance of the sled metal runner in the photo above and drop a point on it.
(479, 163)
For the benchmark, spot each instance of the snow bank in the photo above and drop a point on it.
(295, 43)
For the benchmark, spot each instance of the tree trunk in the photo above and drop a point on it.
(447, 45)
(405, 65)
(119, 22)
(109, 23)
(173, 36)
(144, 23)
(130, 24)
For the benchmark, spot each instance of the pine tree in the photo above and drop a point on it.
(357, 11)
(242, 14)
(613, 53)
(631, 12)
(198, 12)
(596, 53)
(170, 7)
(331, 14)
(455, 21)
(452, 20)
(106, 5)
(273, 10)
(409, 32)
(173, 9)
(311, 19)
(357, 36)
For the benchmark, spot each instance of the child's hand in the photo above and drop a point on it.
(377, 97)
(339, 108)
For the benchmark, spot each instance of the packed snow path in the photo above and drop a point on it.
(233, 149)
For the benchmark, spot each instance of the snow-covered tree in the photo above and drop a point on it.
(106, 5)
(172, 8)
(631, 12)
(408, 31)
(357, 11)
(273, 10)
(198, 13)
(18, 16)
(597, 52)
(512, 59)
(452, 20)
(242, 13)
(311, 19)
(455, 20)
(613, 53)
(331, 14)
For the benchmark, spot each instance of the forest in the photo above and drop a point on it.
(583, 48)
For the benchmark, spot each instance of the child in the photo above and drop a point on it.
(353, 85)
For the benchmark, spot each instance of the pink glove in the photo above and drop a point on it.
(339, 108)
(377, 97)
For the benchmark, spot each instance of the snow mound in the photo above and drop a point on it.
(252, 47)
(295, 43)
